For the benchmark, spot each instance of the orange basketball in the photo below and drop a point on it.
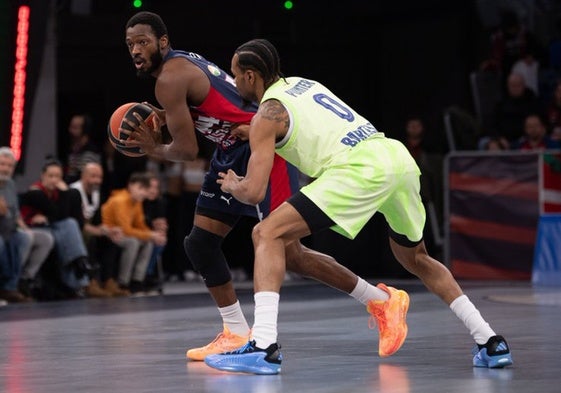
(116, 121)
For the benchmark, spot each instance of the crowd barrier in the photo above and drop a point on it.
(494, 203)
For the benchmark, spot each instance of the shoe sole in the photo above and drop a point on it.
(493, 362)
(266, 369)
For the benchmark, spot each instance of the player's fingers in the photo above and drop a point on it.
(128, 133)
(132, 124)
(141, 122)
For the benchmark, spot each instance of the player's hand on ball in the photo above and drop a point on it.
(142, 135)
(160, 113)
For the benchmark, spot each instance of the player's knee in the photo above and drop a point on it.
(260, 233)
(204, 250)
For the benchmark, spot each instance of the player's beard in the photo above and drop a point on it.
(156, 60)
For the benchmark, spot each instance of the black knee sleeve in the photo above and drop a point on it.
(204, 249)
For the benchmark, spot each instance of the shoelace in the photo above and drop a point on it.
(249, 347)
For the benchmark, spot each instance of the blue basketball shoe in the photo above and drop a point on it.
(248, 359)
(494, 354)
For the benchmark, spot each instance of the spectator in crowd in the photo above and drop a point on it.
(155, 217)
(553, 110)
(535, 135)
(81, 148)
(124, 209)
(430, 165)
(495, 144)
(508, 43)
(13, 242)
(528, 67)
(50, 205)
(100, 239)
(41, 242)
(513, 109)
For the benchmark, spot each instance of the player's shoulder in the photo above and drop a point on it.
(178, 70)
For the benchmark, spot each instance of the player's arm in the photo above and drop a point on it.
(269, 123)
(171, 92)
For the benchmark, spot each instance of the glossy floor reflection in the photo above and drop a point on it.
(138, 344)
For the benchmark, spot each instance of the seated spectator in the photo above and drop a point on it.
(12, 241)
(124, 209)
(512, 110)
(81, 148)
(50, 205)
(101, 240)
(155, 217)
(536, 137)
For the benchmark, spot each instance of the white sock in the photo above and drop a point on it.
(233, 318)
(472, 319)
(264, 330)
(364, 292)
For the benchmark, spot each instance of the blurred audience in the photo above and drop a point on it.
(512, 110)
(155, 217)
(101, 240)
(535, 135)
(13, 242)
(124, 209)
(553, 110)
(50, 205)
(495, 144)
(431, 168)
(81, 148)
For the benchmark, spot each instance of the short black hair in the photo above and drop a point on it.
(140, 177)
(50, 161)
(261, 56)
(151, 19)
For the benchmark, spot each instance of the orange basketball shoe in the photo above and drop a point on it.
(390, 317)
(225, 341)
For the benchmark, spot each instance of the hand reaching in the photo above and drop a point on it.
(228, 181)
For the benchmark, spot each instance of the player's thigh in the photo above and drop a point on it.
(404, 211)
(284, 222)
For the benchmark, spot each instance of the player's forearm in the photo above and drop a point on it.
(248, 193)
(174, 152)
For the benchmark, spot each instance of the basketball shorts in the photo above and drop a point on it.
(283, 183)
(378, 174)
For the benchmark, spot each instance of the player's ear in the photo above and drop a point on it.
(250, 76)
(164, 41)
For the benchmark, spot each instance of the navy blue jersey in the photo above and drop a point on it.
(222, 108)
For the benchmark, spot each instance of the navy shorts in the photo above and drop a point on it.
(283, 183)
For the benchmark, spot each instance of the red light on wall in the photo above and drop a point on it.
(18, 103)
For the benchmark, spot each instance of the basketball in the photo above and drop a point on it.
(117, 120)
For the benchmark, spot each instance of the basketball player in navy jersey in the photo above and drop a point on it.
(197, 95)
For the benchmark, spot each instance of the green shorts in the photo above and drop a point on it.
(378, 174)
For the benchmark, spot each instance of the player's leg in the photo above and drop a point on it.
(325, 269)
(261, 355)
(406, 217)
(203, 246)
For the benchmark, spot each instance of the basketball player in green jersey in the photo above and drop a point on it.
(358, 172)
